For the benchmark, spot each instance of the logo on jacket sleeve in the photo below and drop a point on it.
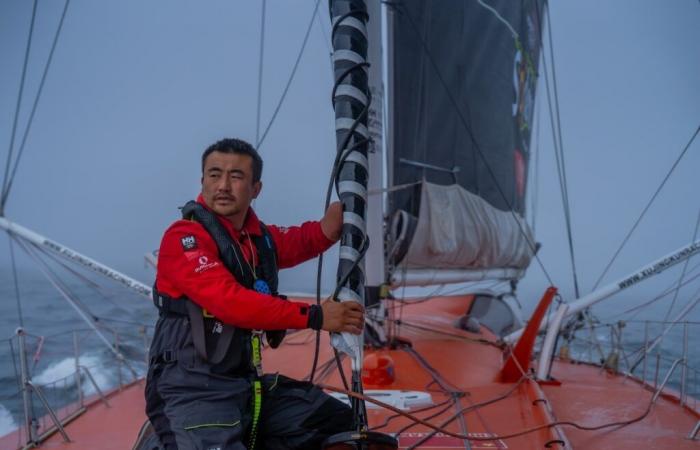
(188, 243)
(204, 264)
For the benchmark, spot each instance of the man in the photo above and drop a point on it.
(216, 289)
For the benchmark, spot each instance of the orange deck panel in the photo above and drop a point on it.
(469, 365)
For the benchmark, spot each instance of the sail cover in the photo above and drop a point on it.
(464, 75)
(457, 229)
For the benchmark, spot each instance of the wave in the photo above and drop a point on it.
(7, 422)
(104, 377)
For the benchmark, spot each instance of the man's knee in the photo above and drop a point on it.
(204, 426)
(197, 411)
(299, 415)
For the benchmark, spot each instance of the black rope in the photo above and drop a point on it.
(17, 107)
(291, 78)
(339, 159)
(337, 163)
(317, 344)
(463, 120)
(339, 363)
(425, 408)
(646, 208)
(6, 192)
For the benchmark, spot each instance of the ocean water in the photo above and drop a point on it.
(52, 329)
(50, 323)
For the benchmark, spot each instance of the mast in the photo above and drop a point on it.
(351, 98)
(351, 101)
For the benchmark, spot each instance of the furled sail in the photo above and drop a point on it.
(464, 75)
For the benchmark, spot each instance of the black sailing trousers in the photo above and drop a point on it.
(191, 408)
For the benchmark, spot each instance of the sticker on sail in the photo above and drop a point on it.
(188, 243)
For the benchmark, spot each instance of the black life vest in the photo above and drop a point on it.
(225, 348)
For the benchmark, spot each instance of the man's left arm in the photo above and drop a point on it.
(300, 243)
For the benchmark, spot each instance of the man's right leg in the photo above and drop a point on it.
(205, 411)
(297, 415)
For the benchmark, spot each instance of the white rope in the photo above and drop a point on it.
(500, 18)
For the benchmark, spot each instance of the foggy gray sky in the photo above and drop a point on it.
(138, 89)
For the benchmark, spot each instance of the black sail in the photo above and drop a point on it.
(464, 75)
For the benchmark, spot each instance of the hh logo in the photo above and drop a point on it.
(188, 243)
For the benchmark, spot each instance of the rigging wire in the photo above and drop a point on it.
(326, 39)
(558, 143)
(6, 192)
(663, 293)
(291, 77)
(34, 251)
(472, 137)
(260, 72)
(90, 319)
(105, 292)
(685, 267)
(555, 120)
(684, 312)
(16, 282)
(17, 108)
(646, 208)
(534, 196)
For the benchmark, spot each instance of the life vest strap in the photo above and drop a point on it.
(183, 306)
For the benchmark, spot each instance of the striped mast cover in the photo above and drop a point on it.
(351, 172)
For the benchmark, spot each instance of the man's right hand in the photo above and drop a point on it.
(342, 316)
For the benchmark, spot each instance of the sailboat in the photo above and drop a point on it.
(432, 165)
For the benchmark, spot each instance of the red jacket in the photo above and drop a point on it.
(189, 264)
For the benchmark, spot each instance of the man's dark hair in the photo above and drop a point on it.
(239, 147)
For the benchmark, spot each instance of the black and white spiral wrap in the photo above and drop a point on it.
(351, 98)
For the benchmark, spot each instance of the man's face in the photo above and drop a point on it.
(227, 185)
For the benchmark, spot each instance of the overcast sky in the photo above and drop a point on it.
(138, 89)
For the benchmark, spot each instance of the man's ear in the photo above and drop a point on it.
(257, 187)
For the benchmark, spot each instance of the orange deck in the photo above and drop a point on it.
(592, 396)
(468, 365)
(100, 427)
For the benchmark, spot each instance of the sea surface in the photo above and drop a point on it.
(50, 322)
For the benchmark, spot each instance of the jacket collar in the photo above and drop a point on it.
(251, 224)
